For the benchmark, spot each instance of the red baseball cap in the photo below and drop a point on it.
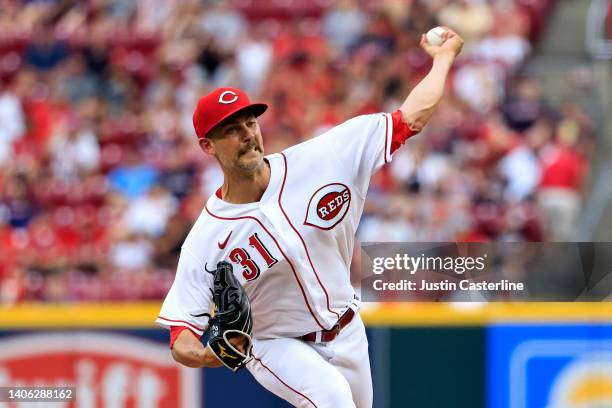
(220, 104)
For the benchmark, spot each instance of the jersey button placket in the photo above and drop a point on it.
(294, 249)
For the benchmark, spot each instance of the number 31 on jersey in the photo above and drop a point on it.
(250, 269)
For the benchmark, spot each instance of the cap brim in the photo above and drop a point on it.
(257, 108)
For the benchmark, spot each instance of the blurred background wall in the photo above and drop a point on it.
(101, 178)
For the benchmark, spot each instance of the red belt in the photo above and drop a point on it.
(328, 335)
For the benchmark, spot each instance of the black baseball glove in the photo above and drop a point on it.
(232, 319)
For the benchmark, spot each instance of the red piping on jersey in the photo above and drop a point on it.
(181, 321)
(386, 138)
(401, 131)
(281, 251)
(284, 383)
(299, 235)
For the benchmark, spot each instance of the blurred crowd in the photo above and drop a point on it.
(609, 22)
(101, 176)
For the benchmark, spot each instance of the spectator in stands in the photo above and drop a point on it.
(133, 178)
(379, 36)
(149, 214)
(562, 184)
(119, 89)
(253, 59)
(506, 43)
(520, 168)
(524, 104)
(471, 18)
(480, 85)
(226, 25)
(75, 151)
(343, 23)
(95, 53)
(45, 52)
(17, 202)
(132, 252)
(78, 82)
(12, 122)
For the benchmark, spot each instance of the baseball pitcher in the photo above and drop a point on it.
(265, 268)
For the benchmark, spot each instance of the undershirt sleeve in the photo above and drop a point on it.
(176, 330)
(401, 131)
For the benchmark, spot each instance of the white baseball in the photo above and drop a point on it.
(434, 36)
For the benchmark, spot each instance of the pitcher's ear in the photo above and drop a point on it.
(207, 146)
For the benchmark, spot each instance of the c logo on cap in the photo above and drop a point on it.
(228, 101)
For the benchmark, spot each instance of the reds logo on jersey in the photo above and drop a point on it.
(328, 206)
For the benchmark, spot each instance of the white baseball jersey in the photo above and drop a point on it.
(291, 250)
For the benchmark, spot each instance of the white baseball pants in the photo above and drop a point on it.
(324, 375)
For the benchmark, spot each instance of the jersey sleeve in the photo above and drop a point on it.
(365, 143)
(189, 301)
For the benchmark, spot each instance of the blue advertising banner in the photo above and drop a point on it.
(549, 366)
